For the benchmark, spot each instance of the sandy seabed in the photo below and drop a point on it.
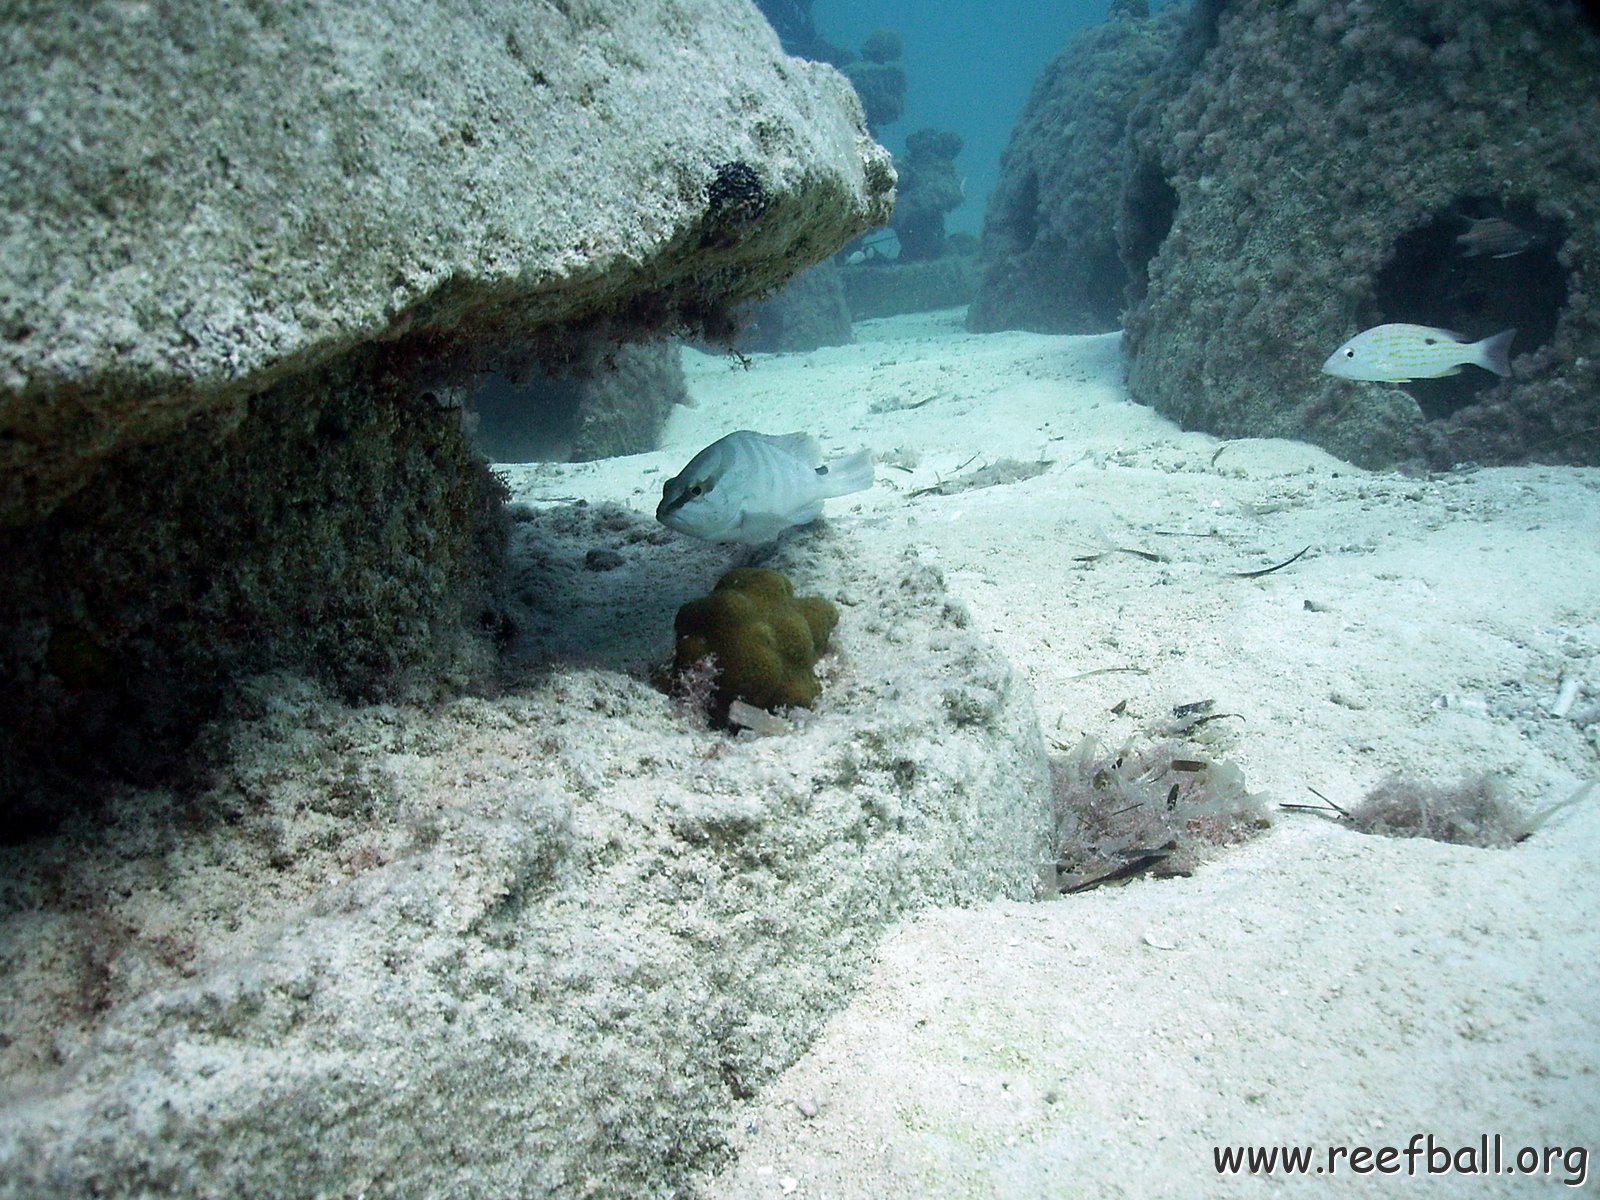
(1317, 988)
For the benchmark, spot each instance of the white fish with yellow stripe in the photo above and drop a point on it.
(750, 487)
(1401, 353)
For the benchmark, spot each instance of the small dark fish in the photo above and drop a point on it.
(1494, 237)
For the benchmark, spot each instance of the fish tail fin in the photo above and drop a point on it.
(852, 474)
(1494, 353)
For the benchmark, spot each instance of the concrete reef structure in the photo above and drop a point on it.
(393, 875)
(538, 944)
(807, 312)
(1050, 261)
(1317, 168)
(929, 187)
(875, 71)
(605, 400)
(250, 261)
(1299, 171)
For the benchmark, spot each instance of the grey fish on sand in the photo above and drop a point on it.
(1401, 353)
(750, 487)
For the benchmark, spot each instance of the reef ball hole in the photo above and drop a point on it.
(1458, 273)
(1150, 205)
(1024, 212)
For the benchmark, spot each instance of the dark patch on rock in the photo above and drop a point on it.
(735, 198)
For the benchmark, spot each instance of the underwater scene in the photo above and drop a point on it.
(750, 598)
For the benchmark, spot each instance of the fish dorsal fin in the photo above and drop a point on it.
(802, 445)
(1431, 334)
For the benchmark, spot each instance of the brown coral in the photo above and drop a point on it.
(762, 640)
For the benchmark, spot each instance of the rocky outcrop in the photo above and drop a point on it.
(1293, 173)
(606, 400)
(1310, 173)
(929, 187)
(809, 311)
(1049, 249)
(383, 171)
(250, 260)
(538, 945)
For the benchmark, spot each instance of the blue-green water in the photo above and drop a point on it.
(969, 66)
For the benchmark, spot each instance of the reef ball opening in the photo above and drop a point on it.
(1440, 274)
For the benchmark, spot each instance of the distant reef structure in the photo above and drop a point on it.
(928, 187)
(874, 71)
(817, 307)
(1049, 256)
(887, 289)
(926, 267)
(604, 400)
(807, 312)
(252, 269)
(1296, 172)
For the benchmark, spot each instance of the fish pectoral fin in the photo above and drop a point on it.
(802, 445)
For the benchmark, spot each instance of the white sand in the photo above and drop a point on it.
(1317, 987)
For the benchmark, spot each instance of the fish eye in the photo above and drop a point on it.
(1349, 353)
(696, 490)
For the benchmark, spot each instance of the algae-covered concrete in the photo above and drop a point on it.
(1244, 186)
(535, 945)
(338, 523)
(1308, 170)
(199, 198)
(1050, 258)
(251, 257)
